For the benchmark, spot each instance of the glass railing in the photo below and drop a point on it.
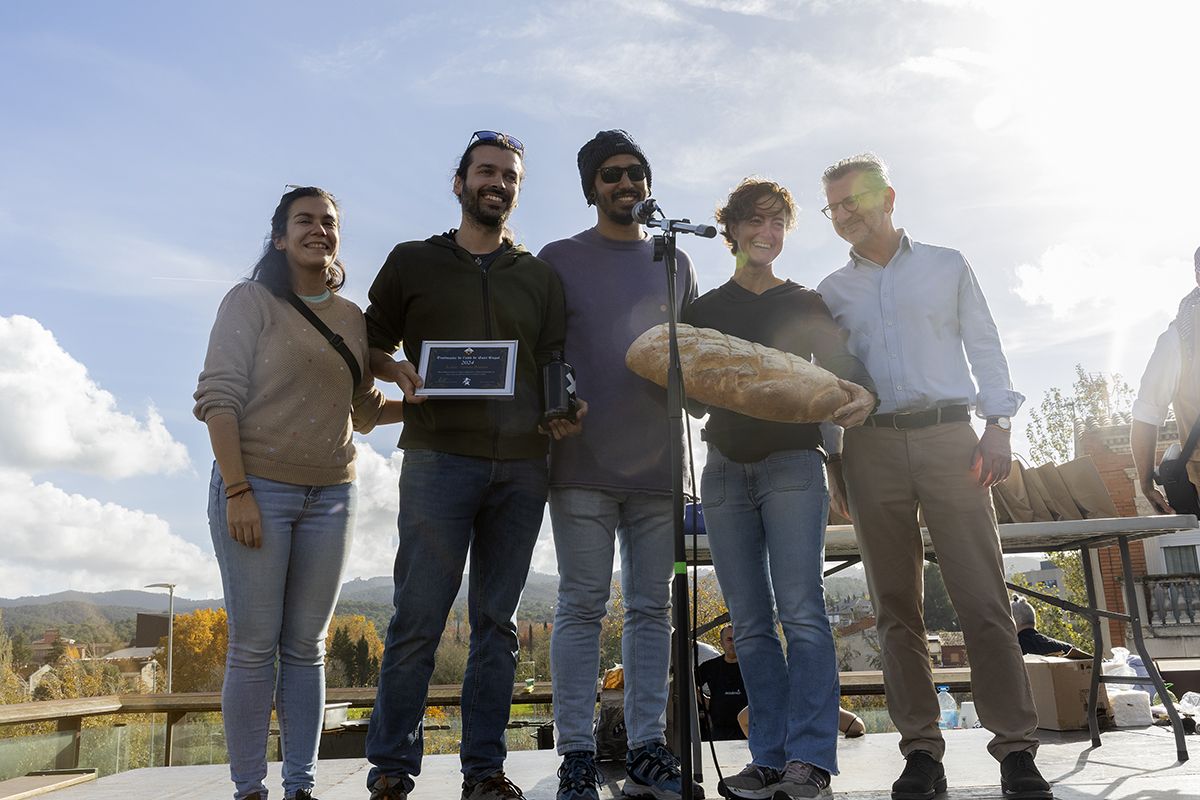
(33, 752)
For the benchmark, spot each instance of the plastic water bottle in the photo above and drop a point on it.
(949, 708)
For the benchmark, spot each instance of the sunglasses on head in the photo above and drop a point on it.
(503, 139)
(636, 172)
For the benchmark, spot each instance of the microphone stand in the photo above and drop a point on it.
(665, 250)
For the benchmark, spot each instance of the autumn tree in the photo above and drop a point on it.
(1051, 428)
(10, 685)
(450, 661)
(1051, 434)
(353, 651)
(201, 642)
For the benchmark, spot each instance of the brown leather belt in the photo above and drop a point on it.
(908, 420)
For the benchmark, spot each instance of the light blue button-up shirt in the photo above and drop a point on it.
(916, 323)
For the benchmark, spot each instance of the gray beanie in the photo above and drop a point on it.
(603, 146)
(1023, 614)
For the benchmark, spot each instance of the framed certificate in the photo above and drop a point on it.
(468, 369)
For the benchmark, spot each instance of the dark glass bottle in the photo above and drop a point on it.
(558, 389)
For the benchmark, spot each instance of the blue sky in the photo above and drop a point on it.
(146, 145)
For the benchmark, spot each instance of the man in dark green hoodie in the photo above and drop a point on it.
(474, 478)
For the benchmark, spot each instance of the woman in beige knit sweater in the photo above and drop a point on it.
(280, 400)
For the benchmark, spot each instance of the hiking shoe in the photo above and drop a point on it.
(923, 778)
(1020, 779)
(801, 780)
(389, 787)
(303, 794)
(578, 778)
(653, 771)
(494, 787)
(754, 782)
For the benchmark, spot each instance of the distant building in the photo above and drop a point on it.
(41, 650)
(846, 610)
(151, 629)
(1048, 575)
(951, 649)
(138, 667)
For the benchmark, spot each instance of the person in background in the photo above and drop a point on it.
(1035, 643)
(280, 403)
(726, 697)
(1170, 381)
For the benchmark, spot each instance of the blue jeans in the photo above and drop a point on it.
(450, 506)
(585, 524)
(766, 527)
(280, 599)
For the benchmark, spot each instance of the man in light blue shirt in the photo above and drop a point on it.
(918, 320)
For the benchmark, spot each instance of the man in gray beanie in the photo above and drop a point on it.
(613, 483)
(1034, 642)
(1170, 380)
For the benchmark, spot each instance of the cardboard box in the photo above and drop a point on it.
(1060, 691)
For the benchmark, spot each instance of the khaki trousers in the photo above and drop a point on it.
(890, 473)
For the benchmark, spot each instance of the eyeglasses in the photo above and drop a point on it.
(636, 173)
(850, 204)
(503, 139)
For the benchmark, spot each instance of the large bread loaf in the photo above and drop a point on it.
(749, 378)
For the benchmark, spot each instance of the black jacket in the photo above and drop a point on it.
(437, 290)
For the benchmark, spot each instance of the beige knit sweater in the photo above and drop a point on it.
(288, 387)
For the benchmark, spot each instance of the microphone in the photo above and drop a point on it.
(644, 210)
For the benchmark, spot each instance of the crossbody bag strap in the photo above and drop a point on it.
(1190, 446)
(338, 342)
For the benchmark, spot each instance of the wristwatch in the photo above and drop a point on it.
(1003, 423)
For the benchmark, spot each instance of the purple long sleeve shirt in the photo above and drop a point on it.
(614, 291)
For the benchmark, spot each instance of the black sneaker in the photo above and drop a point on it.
(578, 778)
(388, 787)
(652, 771)
(1020, 779)
(493, 787)
(303, 794)
(923, 778)
(754, 782)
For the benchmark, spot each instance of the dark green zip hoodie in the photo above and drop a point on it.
(437, 290)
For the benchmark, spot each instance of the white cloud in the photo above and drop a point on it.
(375, 538)
(53, 415)
(786, 10)
(1077, 282)
(55, 541)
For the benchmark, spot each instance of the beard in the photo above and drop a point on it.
(485, 216)
(608, 205)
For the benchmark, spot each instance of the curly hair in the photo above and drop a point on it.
(271, 269)
(754, 196)
(869, 164)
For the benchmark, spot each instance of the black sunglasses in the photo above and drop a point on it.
(503, 139)
(636, 172)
